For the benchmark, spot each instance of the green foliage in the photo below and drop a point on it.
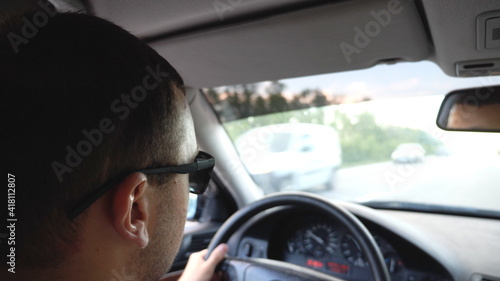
(362, 140)
(278, 103)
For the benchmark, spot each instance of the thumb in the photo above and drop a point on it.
(217, 255)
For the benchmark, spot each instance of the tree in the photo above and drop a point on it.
(248, 91)
(275, 88)
(260, 106)
(213, 96)
(300, 101)
(319, 99)
(278, 103)
(234, 104)
(296, 103)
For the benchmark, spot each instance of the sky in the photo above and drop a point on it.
(418, 89)
(402, 79)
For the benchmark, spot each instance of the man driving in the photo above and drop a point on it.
(100, 140)
(475, 111)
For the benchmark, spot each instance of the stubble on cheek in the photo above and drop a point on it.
(172, 218)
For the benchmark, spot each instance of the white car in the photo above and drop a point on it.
(408, 153)
(291, 156)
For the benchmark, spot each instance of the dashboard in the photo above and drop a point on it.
(309, 239)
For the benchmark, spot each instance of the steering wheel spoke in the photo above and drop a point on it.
(235, 269)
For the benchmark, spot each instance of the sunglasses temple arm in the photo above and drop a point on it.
(204, 164)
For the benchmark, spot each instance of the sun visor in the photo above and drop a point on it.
(335, 37)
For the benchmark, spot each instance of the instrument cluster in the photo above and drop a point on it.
(330, 248)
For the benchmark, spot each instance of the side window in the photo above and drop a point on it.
(192, 207)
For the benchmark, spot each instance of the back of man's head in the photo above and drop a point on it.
(83, 102)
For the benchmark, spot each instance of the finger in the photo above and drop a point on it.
(202, 253)
(217, 255)
(198, 255)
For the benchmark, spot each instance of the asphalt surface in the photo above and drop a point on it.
(448, 180)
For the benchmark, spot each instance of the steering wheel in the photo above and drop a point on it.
(236, 269)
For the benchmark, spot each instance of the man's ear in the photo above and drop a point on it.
(131, 211)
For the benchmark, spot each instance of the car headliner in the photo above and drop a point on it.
(225, 42)
(222, 42)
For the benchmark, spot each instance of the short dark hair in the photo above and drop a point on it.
(83, 101)
(477, 96)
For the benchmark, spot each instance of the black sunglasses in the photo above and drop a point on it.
(200, 172)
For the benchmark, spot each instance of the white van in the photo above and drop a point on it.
(291, 156)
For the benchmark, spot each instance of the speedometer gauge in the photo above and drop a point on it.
(352, 251)
(321, 240)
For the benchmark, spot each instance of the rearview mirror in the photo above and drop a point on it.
(476, 109)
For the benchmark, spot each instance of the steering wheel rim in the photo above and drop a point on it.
(333, 211)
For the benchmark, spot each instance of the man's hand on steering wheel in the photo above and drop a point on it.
(199, 269)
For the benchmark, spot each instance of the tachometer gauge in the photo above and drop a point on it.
(352, 252)
(321, 240)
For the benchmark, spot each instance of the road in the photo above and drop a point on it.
(451, 180)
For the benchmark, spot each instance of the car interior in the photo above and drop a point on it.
(434, 216)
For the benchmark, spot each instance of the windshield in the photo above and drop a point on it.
(362, 136)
